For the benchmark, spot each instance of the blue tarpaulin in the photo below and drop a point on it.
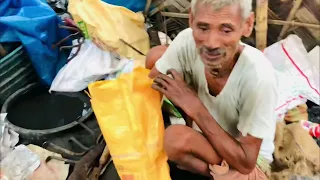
(133, 5)
(35, 25)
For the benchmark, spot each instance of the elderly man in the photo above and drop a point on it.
(226, 87)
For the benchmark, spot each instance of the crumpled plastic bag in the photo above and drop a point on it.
(2, 124)
(8, 138)
(90, 64)
(297, 79)
(106, 24)
(129, 114)
(35, 25)
(19, 164)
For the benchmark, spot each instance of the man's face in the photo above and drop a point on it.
(217, 33)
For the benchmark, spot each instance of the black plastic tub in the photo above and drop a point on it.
(37, 115)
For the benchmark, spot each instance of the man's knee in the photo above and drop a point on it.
(177, 140)
(154, 55)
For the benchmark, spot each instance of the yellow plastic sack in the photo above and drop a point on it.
(129, 114)
(106, 24)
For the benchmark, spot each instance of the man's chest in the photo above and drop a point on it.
(220, 97)
(201, 80)
(215, 85)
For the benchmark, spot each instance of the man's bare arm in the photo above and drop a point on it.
(241, 155)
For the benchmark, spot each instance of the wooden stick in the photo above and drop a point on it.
(147, 8)
(261, 24)
(296, 6)
(177, 15)
(165, 29)
(158, 8)
(270, 21)
(176, 5)
(293, 23)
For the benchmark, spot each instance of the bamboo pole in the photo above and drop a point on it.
(293, 23)
(176, 5)
(296, 6)
(176, 15)
(270, 21)
(159, 8)
(261, 24)
(147, 8)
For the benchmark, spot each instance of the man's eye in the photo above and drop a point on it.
(227, 31)
(203, 28)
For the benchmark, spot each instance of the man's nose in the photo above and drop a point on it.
(213, 41)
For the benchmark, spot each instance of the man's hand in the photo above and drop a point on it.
(176, 90)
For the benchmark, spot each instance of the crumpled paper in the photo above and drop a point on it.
(8, 138)
(19, 164)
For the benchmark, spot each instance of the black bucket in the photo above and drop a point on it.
(36, 114)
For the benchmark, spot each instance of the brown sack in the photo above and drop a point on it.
(296, 153)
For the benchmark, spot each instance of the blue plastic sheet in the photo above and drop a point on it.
(133, 5)
(35, 25)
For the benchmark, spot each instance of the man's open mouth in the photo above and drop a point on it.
(212, 56)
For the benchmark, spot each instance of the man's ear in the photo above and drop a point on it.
(249, 24)
(190, 17)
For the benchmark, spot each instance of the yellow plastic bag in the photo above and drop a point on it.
(129, 115)
(106, 24)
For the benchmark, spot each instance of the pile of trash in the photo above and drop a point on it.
(27, 162)
(99, 45)
(72, 44)
(52, 43)
(298, 129)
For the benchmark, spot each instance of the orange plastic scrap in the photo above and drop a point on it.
(129, 114)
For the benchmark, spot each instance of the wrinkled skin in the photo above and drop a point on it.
(175, 89)
(217, 35)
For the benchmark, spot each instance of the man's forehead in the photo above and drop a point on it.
(228, 14)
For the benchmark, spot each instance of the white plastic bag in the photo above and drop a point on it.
(2, 124)
(19, 164)
(314, 57)
(8, 138)
(91, 64)
(126, 69)
(298, 80)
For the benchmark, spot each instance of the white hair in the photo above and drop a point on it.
(245, 5)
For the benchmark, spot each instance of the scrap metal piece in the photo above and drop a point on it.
(82, 146)
(135, 49)
(106, 166)
(78, 34)
(84, 126)
(100, 139)
(64, 39)
(88, 161)
(165, 29)
(67, 161)
(55, 148)
(103, 161)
